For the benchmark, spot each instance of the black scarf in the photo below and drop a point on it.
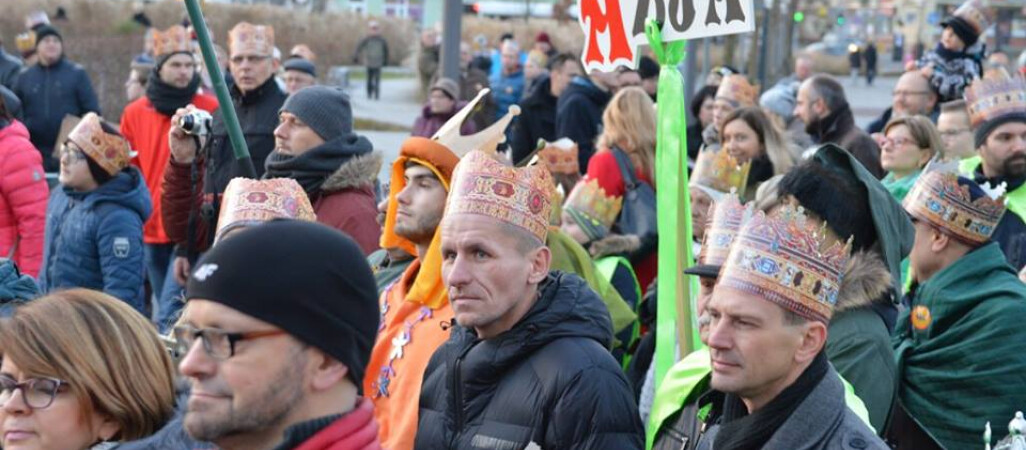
(167, 99)
(762, 170)
(742, 431)
(312, 168)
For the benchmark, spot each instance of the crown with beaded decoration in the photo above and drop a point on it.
(736, 89)
(943, 199)
(248, 201)
(172, 40)
(788, 260)
(517, 196)
(246, 38)
(728, 214)
(560, 157)
(716, 169)
(592, 209)
(995, 95)
(111, 152)
(486, 140)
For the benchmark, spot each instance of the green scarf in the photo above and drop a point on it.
(964, 365)
(899, 188)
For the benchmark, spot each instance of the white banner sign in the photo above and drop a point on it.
(613, 30)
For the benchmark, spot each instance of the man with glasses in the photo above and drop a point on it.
(953, 125)
(257, 99)
(911, 96)
(275, 353)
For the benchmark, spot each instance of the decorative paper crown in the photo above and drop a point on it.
(520, 197)
(173, 40)
(247, 38)
(782, 259)
(728, 214)
(112, 153)
(995, 96)
(559, 157)
(486, 140)
(304, 51)
(247, 202)
(976, 15)
(717, 170)
(592, 209)
(738, 91)
(25, 42)
(940, 199)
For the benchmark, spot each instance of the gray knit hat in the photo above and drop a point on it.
(448, 87)
(301, 65)
(324, 109)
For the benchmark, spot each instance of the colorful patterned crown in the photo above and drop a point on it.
(943, 200)
(976, 14)
(25, 42)
(172, 40)
(518, 196)
(486, 140)
(247, 202)
(995, 96)
(736, 89)
(716, 169)
(111, 152)
(246, 38)
(559, 157)
(788, 260)
(728, 214)
(592, 209)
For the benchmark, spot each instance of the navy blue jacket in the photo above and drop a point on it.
(49, 93)
(579, 116)
(95, 240)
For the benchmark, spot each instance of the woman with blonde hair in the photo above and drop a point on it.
(628, 129)
(749, 135)
(81, 369)
(908, 144)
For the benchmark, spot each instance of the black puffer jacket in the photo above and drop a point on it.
(550, 380)
(258, 115)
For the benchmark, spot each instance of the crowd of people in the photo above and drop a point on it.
(857, 288)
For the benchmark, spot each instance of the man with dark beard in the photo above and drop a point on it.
(828, 118)
(145, 123)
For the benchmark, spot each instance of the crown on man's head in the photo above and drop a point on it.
(251, 39)
(944, 200)
(172, 40)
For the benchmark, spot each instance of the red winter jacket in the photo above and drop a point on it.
(23, 195)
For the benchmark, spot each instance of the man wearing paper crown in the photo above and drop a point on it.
(512, 317)
(413, 307)
(145, 123)
(997, 115)
(251, 202)
(769, 313)
(958, 343)
(257, 99)
(94, 220)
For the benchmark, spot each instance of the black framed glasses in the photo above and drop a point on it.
(218, 344)
(37, 393)
(72, 152)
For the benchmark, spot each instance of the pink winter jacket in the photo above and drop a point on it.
(23, 195)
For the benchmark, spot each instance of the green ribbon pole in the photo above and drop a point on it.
(231, 120)
(673, 207)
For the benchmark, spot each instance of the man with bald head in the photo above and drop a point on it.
(911, 96)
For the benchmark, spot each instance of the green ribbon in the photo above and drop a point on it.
(673, 208)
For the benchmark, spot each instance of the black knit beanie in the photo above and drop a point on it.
(43, 31)
(962, 28)
(306, 278)
(984, 129)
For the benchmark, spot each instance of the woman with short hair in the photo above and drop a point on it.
(908, 144)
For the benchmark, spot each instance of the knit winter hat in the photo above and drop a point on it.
(310, 280)
(324, 109)
(301, 65)
(970, 21)
(448, 87)
(43, 31)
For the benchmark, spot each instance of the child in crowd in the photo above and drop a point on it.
(958, 58)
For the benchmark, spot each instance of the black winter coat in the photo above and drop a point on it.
(549, 380)
(579, 116)
(537, 119)
(258, 117)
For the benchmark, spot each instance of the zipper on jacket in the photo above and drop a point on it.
(457, 391)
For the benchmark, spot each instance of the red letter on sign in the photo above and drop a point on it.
(612, 21)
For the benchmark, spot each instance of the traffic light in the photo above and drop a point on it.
(799, 17)
(840, 19)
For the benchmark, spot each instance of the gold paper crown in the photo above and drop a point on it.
(976, 14)
(736, 89)
(247, 201)
(728, 214)
(592, 209)
(246, 38)
(788, 260)
(716, 169)
(25, 42)
(173, 40)
(517, 196)
(486, 140)
(995, 96)
(111, 152)
(940, 199)
(559, 157)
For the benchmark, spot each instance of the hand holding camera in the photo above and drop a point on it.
(187, 123)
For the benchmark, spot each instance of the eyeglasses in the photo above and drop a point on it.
(948, 134)
(72, 152)
(897, 141)
(37, 393)
(909, 93)
(252, 59)
(218, 344)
